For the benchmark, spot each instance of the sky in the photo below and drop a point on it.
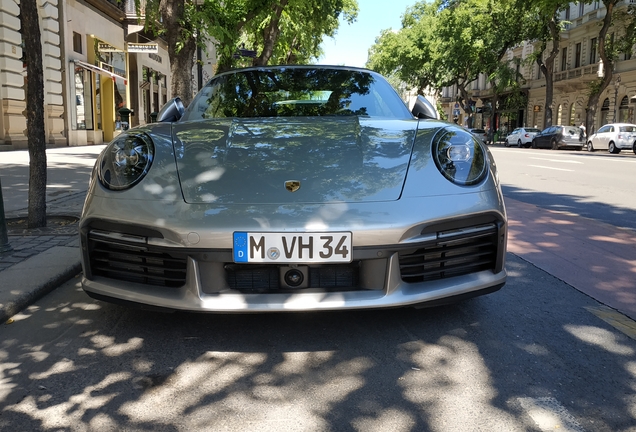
(352, 42)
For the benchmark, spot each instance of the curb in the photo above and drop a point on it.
(28, 281)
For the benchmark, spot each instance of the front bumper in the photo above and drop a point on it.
(459, 258)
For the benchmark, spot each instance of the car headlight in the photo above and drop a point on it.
(459, 156)
(125, 161)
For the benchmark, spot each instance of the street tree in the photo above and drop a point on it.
(289, 31)
(474, 36)
(34, 113)
(411, 54)
(179, 22)
(621, 40)
(544, 27)
(292, 31)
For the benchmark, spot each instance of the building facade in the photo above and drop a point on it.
(576, 66)
(97, 60)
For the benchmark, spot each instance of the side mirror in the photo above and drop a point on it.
(172, 111)
(423, 109)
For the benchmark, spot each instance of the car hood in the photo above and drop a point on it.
(328, 159)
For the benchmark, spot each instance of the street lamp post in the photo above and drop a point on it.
(617, 82)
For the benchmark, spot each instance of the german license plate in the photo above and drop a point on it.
(255, 247)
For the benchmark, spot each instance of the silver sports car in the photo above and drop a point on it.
(293, 188)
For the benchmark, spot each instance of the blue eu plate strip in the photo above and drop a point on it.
(240, 247)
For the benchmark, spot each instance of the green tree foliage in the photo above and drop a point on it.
(446, 43)
(301, 28)
(282, 31)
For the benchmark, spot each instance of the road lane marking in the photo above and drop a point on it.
(616, 319)
(558, 160)
(552, 168)
(549, 415)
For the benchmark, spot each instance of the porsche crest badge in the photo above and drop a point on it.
(292, 185)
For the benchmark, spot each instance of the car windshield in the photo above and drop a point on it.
(533, 130)
(628, 128)
(292, 91)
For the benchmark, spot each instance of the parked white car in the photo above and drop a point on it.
(479, 133)
(613, 137)
(521, 137)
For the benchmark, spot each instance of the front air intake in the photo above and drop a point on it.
(454, 253)
(127, 258)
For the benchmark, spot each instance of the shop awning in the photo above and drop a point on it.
(100, 71)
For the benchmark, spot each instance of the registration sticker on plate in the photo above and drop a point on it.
(250, 247)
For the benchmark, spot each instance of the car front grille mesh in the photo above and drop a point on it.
(132, 263)
(257, 279)
(454, 254)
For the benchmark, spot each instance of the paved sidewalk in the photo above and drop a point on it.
(42, 259)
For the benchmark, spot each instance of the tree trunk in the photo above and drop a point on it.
(270, 35)
(608, 65)
(34, 114)
(547, 68)
(466, 106)
(181, 60)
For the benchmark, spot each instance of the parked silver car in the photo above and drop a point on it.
(291, 188)
(613, 137)
(521, 137)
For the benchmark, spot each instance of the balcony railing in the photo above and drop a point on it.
(589, 72)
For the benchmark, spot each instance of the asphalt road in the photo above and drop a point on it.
(596, 185)
(538, 355)
(530, 357)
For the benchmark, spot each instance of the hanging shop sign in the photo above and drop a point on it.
(143, 48)
(104, 47)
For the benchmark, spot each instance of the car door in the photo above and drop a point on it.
(602, 138)
(514, 136)
(543, 139)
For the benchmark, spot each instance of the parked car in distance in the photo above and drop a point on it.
(613, 137)
(522, 137)
(556, 137)
(479, 133)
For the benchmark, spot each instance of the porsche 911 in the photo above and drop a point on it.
(293, 188)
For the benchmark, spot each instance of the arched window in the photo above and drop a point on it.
(605, 111)
(559, 114)
(623, 110)
(572, 109)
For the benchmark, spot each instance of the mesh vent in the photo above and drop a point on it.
(456, 255)
(257, 279)
(140, 264)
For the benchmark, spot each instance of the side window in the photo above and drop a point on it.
(603, 129)
(611, 129)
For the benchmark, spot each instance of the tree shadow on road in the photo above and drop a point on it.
(87, 365)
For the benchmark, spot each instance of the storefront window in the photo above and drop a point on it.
(83, 113)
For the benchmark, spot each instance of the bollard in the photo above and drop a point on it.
(4, 238)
